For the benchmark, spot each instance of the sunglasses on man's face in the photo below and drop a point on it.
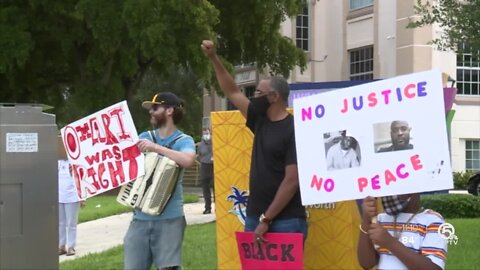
(259, 93)
(155, 107)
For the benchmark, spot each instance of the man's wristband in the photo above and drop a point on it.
(264, 219)
(361, 229)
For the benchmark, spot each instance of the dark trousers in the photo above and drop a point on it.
(206, 178)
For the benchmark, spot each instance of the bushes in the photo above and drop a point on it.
(453, 205)
(460, 179)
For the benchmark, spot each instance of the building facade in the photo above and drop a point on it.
(368, 39)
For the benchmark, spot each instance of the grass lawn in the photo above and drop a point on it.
(199, 249)
(103, 206)
(199, 252)
(465, 254)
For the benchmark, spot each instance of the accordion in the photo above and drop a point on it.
(150, 193)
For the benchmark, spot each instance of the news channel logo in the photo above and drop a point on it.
(447, 232)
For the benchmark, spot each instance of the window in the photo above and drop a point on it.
(468, 72)
(361, 63)
(472, 155)
(301, 36)
(249, 91)
(357, 4)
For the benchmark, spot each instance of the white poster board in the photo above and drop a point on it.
(102, 150)
(383, 138)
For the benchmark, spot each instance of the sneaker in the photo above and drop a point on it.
(207, 212)
(71, 252)
(61, 251)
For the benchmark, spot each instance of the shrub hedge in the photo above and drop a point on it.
(460, 179)
(453, 205)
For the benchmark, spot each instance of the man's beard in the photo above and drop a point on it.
(160, 120)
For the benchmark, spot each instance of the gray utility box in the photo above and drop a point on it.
(28, 188)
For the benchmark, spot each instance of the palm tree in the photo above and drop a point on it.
(240, 200)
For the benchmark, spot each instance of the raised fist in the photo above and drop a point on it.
(208, 47)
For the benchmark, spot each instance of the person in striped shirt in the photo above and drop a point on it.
(404, 237)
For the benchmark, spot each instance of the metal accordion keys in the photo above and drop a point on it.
(151, 192)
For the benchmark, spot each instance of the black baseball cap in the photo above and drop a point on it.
(163, 98)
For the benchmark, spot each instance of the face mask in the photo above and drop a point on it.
(206, 137)
(393, 205)
(260, 104)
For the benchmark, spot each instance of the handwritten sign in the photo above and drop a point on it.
(102, 150)
(383, 138)
(282, 251)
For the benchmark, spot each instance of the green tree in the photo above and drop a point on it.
(460, 21)
(249, 32)
(83, 55)
(185, 84)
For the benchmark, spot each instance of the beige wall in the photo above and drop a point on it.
(334, 41)
(414, 54)
(360, 32)
(386, 57)
(327, 35)
(445, 61)
(466, 125)
(212, 102)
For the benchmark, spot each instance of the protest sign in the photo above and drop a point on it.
(282, 251)
(102, 150)
(383, 138)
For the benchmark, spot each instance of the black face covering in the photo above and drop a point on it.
(260, 104)
(395, 204)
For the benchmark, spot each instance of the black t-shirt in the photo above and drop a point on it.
(273, 149)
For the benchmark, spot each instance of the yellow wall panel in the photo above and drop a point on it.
(333, 228)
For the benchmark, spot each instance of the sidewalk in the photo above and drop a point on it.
(102, 234)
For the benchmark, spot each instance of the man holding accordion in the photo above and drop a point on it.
(158, 238)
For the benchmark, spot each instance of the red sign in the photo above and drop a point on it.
(282, 251)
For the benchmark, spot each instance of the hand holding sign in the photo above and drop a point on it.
(283, 251)
(369, 208)
(380, 236)
(261, 229)
(147, 146)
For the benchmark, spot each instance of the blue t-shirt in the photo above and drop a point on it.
(174, 207)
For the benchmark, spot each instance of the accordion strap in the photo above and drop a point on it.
(153, 135)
